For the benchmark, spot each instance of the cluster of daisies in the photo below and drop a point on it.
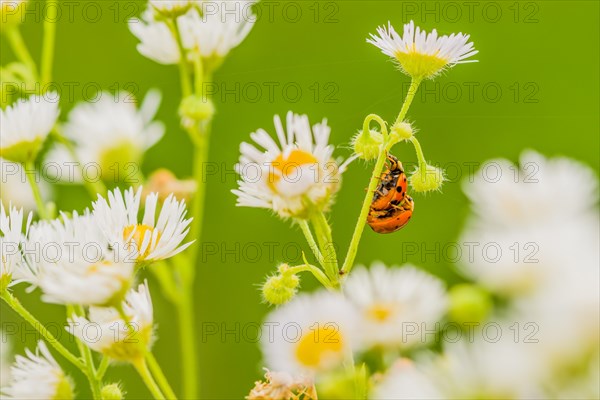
(91, 260)
(519, 329)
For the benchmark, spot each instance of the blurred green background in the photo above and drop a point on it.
(536, 86)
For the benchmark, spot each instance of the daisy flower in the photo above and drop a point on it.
(420, 54)
(112, 335)
(73, 262)
(309, 334)
(213, 34)
(109, 132)
(15, 188)
(25, 126)
(153, 237)
(292, 176)
(38, 376)
(395, 301)
(11, 242)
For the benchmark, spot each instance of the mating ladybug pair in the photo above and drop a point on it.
(391, 207)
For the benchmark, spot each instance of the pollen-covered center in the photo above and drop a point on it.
(283, 167)
(319, 344)
(420, 65)
(379, 312)
(135, 234)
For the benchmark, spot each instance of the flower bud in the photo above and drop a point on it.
(401, 131)
(367, 144)
(427, 180)
(195, 108)
(165, 183)
(280, 288)
(111, 392)
(469, 303)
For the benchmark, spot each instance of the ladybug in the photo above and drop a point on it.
(393, 217)
(392, 186)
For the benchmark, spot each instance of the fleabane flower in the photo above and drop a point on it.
(393, 300)
(25, 125)
(293, 176)
(423, 55)
(11, 242)
(38, 376)
(156, 236)
(405, 381)
(212, 33)
(118, 339)
(311, 333)
(72, 262)
(110, 136)
(5, 353)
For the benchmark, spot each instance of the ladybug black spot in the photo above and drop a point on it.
(399, 188)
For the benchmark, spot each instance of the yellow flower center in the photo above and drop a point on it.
(318, 344)
(135, 234)
(379, 312)
(420, 65)
(287, 166)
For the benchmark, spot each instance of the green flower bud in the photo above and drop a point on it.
(469, 303)
(111, 392)
(195, 109)
(280, 288)
(427, 180)
(367, 145)
(401, 131)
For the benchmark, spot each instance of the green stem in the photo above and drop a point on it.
(410, 95)
(144, 372)
(324, 238)
(186, 84)
(164, 274)
(32, 178)
(86, 353)
(311, 241)
(316, 271)
(362, 217)
(420, 155)
(102, 368)
(48, 45)
(187, 341)
(17, 307)
(159, 375)
(20, 48)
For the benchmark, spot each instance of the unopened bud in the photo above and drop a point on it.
(401, 131)
(428, 179)
(367, 144)
(469, 303)
(111, 392)
(280, 288)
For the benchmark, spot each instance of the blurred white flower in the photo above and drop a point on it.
(293, 176)
(73, 262)
(37, 376)
(106, 332)
(405, 381)
(311, 333)
(12, 229)
(394, 301)
(493, 366)
(213, 33)
(109, 137)
(25, 126)
(154, 237)
(5, 355)
(16, 190)
(539, 191)
(421, 54)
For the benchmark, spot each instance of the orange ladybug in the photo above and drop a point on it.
(392, 218)
(392, 187)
